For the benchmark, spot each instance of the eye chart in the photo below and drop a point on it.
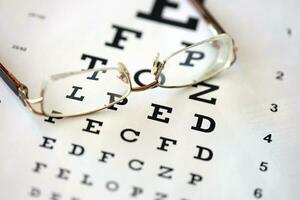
(235, 136)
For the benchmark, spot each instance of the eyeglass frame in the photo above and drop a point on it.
(21, 90)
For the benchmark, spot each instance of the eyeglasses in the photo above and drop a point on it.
(83, 92)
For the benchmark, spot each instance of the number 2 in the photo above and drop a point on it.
(279, 75)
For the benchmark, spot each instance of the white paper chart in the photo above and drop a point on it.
(235, 136)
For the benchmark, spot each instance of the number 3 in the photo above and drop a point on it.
(274, 107)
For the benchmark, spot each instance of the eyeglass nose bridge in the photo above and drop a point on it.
(156, 71)
(153, 84)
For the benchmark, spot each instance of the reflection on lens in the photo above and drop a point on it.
(198, 62)
(77, 93)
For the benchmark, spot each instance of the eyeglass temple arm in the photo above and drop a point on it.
(15, 85)
(212, 22)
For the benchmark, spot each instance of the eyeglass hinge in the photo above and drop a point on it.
(23, 93)
(157, 66)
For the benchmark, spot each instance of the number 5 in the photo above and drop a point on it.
(263, 166)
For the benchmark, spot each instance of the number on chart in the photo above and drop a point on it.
(268, 138)
(279, 75)
(263, 166)
(274, 107)
(258, 193)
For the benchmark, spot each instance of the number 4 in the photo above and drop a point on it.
(268, 138)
